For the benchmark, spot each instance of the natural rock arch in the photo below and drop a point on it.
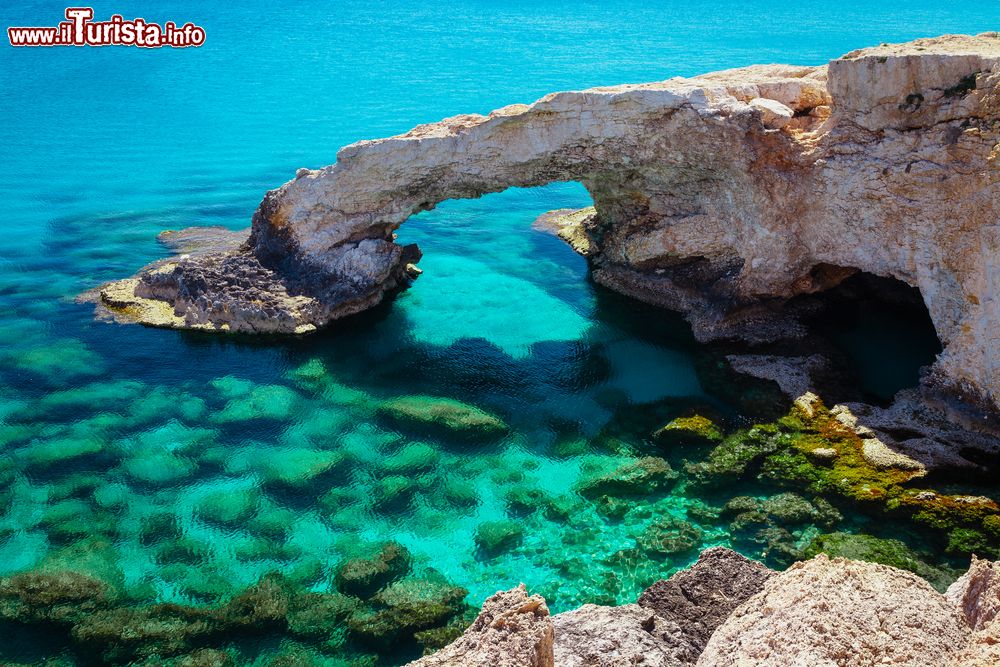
(713, 195)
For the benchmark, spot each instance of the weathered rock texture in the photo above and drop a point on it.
(512, 630)
(595, 636)
(720, 196)
(701, 598)
(727, 610)
(977, 596)
(826, 613)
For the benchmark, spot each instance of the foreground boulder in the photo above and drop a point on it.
(596, 636)
(837, 612)
(700, 598)
(512, 630)
(976, 595)
(727, 610)
(668, 628)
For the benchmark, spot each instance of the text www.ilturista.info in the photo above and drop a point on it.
(80, 30)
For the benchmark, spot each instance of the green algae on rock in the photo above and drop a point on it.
(98, 624)
(851, 468)
(292, 467)
(642, 477)
(524, 499)
(496, 537)
(58, 597)
(412, 459)
(785, 508)
(669, 535)
(227, 505)
(262, 402)
(405, 608)
(775, 528)
(158, 468)
(363, 577)
(734, 456)
(694, 430)
(433, 414)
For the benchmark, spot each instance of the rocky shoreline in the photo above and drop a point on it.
(721, 196)
(726, 197)
(727, 610)
(846, 594)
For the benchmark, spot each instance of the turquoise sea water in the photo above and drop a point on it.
(263, 455)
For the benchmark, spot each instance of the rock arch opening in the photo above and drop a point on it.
(762, 173)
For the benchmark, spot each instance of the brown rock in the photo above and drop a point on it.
(512, 630)
(840, 613)
(700, 598)
(976, 595)
(596, 636)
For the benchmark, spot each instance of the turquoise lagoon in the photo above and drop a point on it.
(199, 462)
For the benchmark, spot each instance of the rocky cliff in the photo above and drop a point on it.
(727, 610)
(720, 196)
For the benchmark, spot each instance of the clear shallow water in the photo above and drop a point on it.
(105, 430)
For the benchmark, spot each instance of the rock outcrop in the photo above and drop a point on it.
(977, 596)
(512, 630)
(596, 636)
(840, 613)
(701, 598)
(728, 610)
(720, 196)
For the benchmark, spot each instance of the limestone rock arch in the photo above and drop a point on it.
(712, 195)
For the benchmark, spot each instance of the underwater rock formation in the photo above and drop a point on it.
(828, 453)
(431, 414)
(96, 624)
(363, 577)
(719, 196)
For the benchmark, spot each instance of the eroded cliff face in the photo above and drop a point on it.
(720, 196)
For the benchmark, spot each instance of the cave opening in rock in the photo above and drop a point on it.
(874, 332)
(880, 330)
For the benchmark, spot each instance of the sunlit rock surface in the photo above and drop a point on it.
(513, 630)
(719, 196)
(727, 610)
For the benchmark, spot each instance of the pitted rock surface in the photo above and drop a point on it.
(700, 598)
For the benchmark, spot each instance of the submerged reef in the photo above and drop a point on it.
(381, 607)
(826, 452)
(256, 554)
(721, 196)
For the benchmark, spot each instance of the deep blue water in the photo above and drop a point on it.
(104, 148)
